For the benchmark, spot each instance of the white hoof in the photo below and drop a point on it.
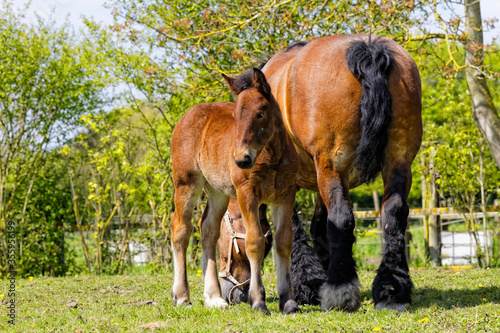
(344, 297)
(216, 302)
(181, 302)
(392, 306)
(180, 299)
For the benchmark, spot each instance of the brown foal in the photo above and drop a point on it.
(234, 150)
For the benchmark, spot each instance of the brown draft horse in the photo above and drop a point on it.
(234, 150)
(352, 107)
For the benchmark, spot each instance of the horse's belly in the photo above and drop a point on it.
(219, 180)
(306, 176)
(221, 185)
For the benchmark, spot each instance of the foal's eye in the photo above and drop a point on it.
(260, 115)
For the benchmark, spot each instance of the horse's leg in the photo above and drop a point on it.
(210, 231)
(282, 219)
(319, 232)
(185, 198)
(255, 243)
(342, 289)
(392, 285)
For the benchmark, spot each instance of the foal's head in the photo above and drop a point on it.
(254, 114)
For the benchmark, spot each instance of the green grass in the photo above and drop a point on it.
(445, 300)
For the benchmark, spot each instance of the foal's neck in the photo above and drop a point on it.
(278, 141)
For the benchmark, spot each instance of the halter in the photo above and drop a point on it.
(233, 242)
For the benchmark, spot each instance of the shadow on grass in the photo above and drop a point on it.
(451, 298)
(304, 308)
(455, 298)
(430, 297)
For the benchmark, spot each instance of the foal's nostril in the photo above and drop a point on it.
(240, 296)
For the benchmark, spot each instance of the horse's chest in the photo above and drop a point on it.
(274, 185)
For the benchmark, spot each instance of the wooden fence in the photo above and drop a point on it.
(441, 246)
(433, 251)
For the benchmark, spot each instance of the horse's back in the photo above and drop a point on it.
(198, 115)
(191, 128)
(201, 139)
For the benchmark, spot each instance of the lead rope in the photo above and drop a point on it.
(234, 288)
(233, 235)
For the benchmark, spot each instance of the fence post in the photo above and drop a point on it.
(430, 200)
(496, 202)
(434, 227)
(376, 202)
(408, 237)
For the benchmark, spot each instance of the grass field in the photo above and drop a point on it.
(456, 299)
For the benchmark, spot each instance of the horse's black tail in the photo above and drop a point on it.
(370, 62)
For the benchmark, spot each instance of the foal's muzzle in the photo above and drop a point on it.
(239, 295)
(246, 163)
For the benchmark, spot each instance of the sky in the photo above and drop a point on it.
(74, 8)
(94, 8)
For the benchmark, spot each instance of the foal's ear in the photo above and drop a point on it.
(231, 82)
(260, 82)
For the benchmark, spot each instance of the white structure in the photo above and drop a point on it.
(458, 248)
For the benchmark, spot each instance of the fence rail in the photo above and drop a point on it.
(444, 212)
(448, 250)
(146, 220)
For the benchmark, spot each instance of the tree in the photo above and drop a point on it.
(462, 36)
(48, 219)
(49, 77)
(466, 171)
(108, 168)
(485, 113)
(200, 40)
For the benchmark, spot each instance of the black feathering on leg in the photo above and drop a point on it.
(341, 238)
(393, 283)
(307, 272)
(319, 233)
(342, 289)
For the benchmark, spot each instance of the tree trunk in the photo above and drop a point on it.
(485, 113)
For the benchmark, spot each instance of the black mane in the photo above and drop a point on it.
(298, 44)
(244, 81)
(262, 65)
